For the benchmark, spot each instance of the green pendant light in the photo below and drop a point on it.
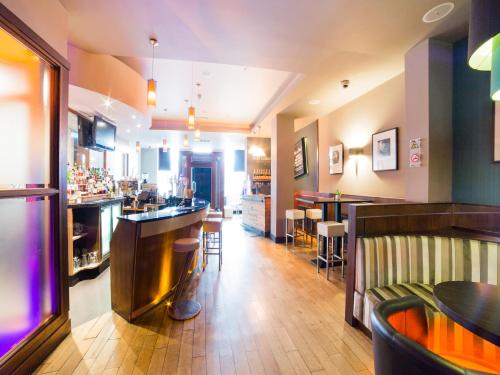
(495, 69)
(484, 41)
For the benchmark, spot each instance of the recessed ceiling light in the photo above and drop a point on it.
(107, 102)
(438, 12)
(128, 130)
(134, 117)
(139, 125)
(314, 101)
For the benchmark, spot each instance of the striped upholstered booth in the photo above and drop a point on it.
(394, 266)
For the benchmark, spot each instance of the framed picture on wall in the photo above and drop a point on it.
(300, 158)
(336, 159)
(385, 150)
(496, 132)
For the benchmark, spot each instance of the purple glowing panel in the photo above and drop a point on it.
(27, 280)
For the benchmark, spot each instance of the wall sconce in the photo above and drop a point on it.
(355, 152)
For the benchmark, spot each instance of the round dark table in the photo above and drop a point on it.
(475, 306)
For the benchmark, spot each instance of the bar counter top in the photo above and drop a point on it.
(100, 202)
(166, 213)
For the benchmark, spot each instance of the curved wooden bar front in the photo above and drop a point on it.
(144, 267)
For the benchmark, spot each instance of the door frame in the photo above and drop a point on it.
(32, 350)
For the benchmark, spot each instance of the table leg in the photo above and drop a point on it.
(338, 219)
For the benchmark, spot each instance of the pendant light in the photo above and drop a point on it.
(186, 141)
(165, 146)
(197, 135)
(151, 81)
(191, 115)
(191, 110)
(484, 41)
(137, 146)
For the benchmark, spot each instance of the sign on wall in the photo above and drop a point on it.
(300, 158)
(415, 152)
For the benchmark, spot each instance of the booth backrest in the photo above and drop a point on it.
(387, 260)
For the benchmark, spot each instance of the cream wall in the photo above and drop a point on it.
(47, 18)
(353, 125)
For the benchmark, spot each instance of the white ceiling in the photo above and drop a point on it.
(131, 124)
(325, 40)
(226, 94)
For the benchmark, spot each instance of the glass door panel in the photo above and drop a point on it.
(26, 270)
(25, 116)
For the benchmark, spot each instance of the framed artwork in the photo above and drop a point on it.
(336, 159)
(300, 158)
(496, 132)
(385, 150)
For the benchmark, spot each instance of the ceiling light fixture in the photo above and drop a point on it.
(165, 146)
(438, 12)
(197, 135)
(137, 146)
(128, 130)
(151, 81)
(139, 126)
(314, 101)
(191, 109)
(134, 117)
(107, 102)
(186, 141)
(191, 117)
(484, 41)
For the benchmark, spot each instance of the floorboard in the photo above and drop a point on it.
(267, 312)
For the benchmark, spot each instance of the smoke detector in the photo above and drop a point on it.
(438, 12)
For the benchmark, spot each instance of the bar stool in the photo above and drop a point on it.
(214, 215)
(184, 309)
(330, 229)
(294, 215)
(312, 216)
(212, 240)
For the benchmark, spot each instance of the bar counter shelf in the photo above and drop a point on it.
(145, 269)
(90, 227)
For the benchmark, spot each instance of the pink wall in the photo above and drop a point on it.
(353, 125)
(47, 18)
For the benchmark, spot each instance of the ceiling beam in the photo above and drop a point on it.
(206, 126)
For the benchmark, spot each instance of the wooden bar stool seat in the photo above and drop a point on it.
(330, 230)
(214, 215)
(185, 309)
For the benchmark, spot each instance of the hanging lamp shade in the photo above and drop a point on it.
(151, 93)
(165, 146)
(197, 135)
(137, 146)
(191, 115)
(484, 41)
(186, 141)
(495, 69)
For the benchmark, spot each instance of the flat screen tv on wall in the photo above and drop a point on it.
(104, 134)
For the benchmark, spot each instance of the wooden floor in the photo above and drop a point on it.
(266, 312)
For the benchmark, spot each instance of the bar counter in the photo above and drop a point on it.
(144, 267)
(256, 214)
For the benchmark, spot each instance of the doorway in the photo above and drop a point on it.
(202, 183)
